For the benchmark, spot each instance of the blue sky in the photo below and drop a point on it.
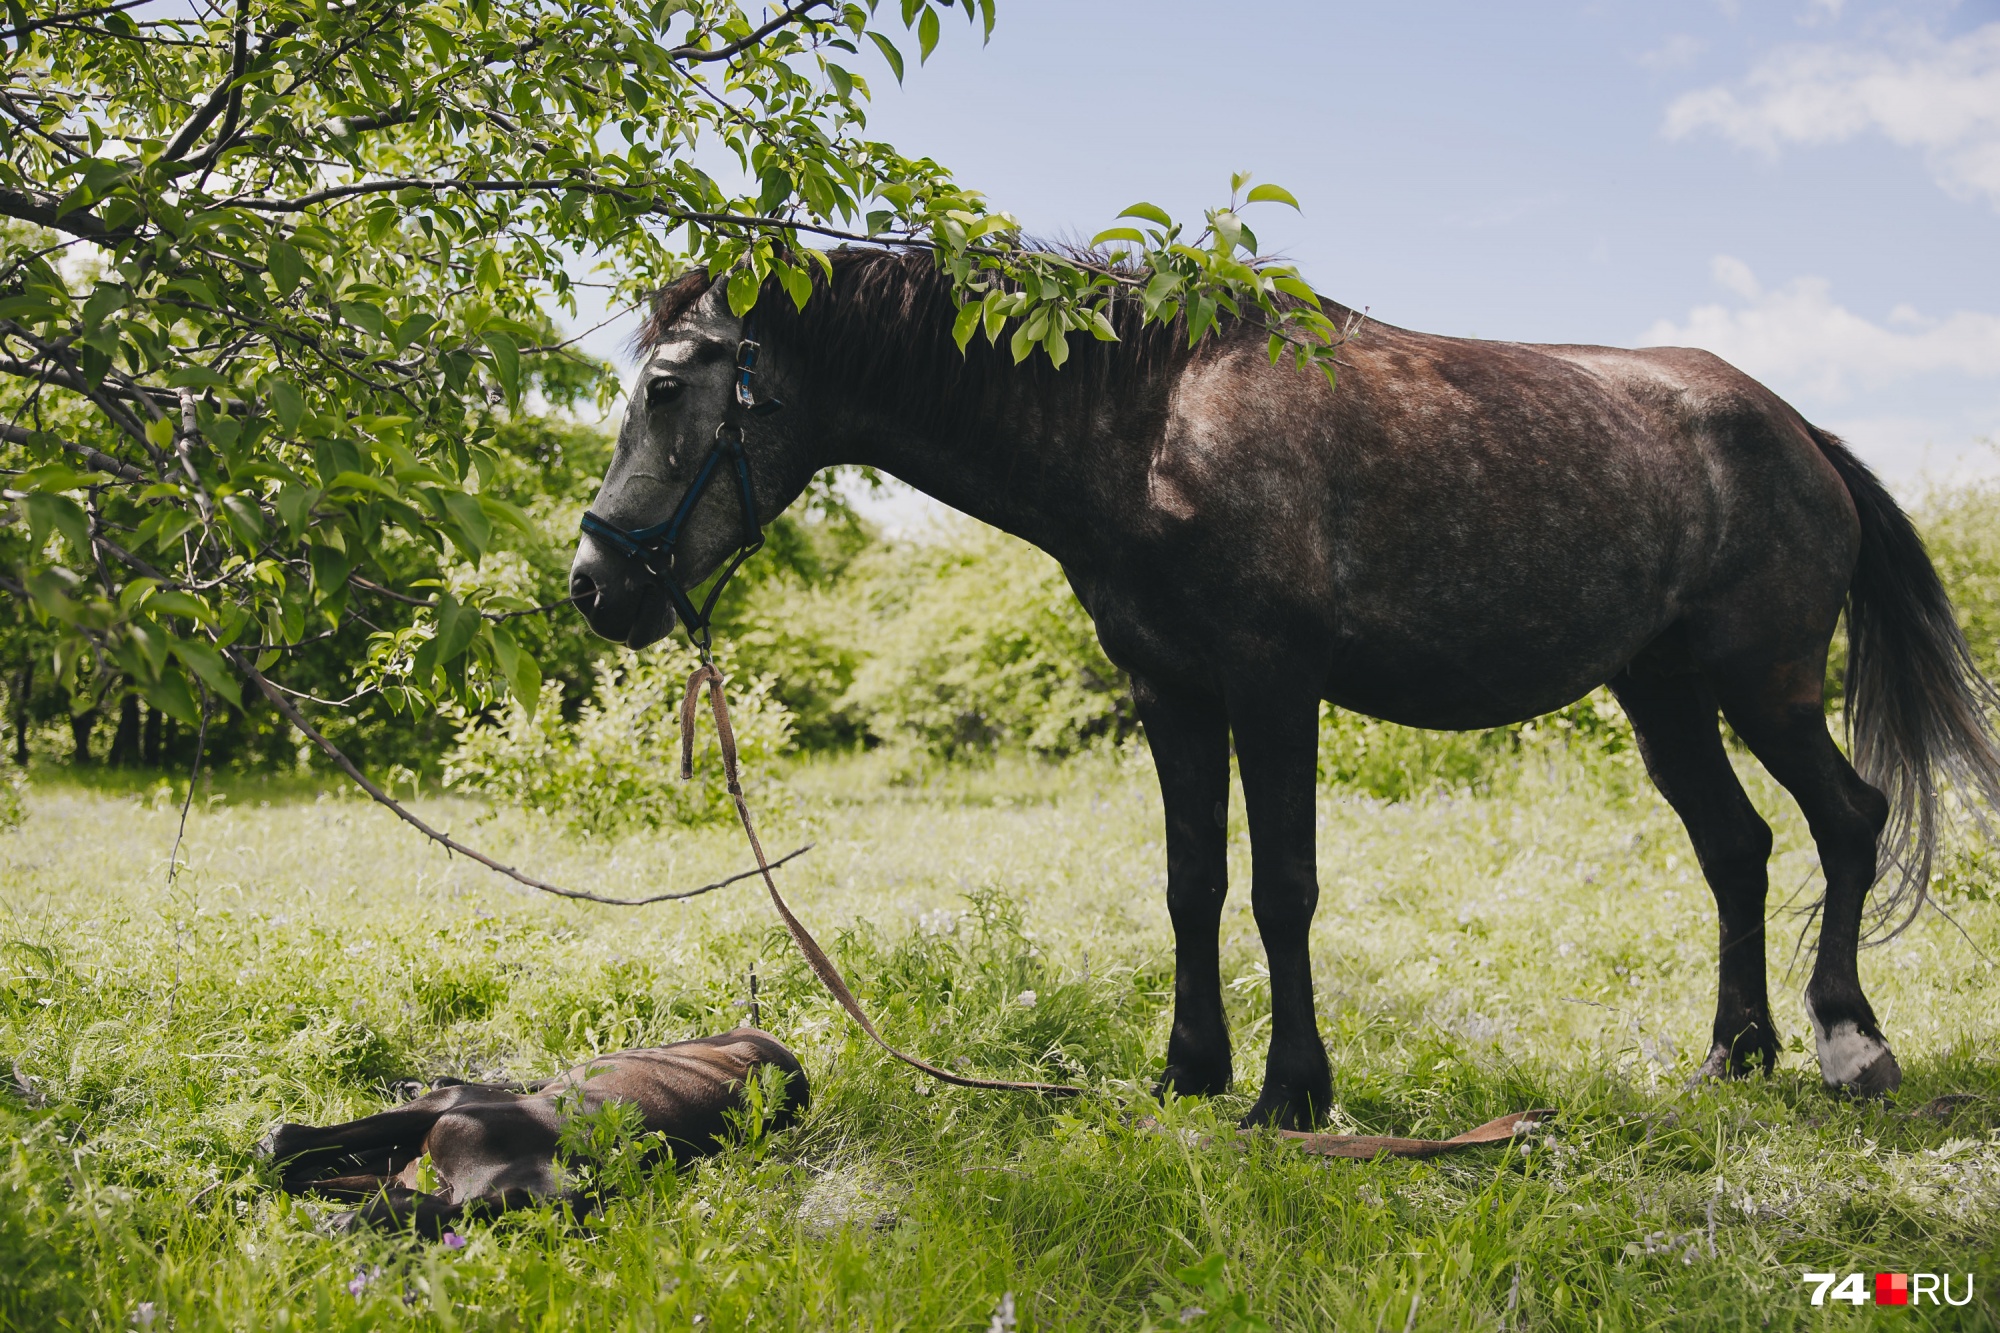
(1809, 187)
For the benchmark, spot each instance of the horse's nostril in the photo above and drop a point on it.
(583, 589)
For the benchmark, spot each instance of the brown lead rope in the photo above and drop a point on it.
(1325, 1145)
(822, 966)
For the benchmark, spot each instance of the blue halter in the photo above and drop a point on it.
(654, 547)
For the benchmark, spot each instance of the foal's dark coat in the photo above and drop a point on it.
(1462, 534)
(494, 1147)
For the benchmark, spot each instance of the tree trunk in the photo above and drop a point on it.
(150, 754)
(21, 697)
(125, 741)
(80, 725)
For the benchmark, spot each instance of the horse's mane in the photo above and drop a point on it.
(881, 326)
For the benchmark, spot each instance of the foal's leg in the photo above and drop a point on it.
(376, 1145)
(1189, 738)
(1779, 715)
(1277, 742)
(1674, 716)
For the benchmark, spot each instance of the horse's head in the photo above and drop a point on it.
(698, 468)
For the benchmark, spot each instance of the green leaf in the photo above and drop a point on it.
(103, 301)
(457, 625)
(58, 477)
(287, 267)
(58, 513)
(1270, 194)
(796, 282)
(890, 54)
(1021, 344)
(506, 363)
(175, 603)
(518, 665)
(364, 315)
(362, 481)
(1149, 212)
(295, 503)
(927, 34)
(967, 324)
(1132, 234)
(207, 663)
(472, 531)
(330, 568)
(151, 643)
(1100, 327)
(743, 285)
(245, 518)
(1294, 287)
(512, 515)
(171, 695)
(1056, 344)
(133, 593)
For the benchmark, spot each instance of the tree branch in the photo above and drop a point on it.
(703, 55)
(445, 840)
(39, 207)
(55, 20)
(97, 458)
(225, 94)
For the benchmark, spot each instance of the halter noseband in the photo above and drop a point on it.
(654, 547)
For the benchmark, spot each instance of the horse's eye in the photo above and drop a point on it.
(663, 391)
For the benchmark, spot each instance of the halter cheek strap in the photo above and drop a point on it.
(654, 547)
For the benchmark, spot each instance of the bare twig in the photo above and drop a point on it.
(445, 840)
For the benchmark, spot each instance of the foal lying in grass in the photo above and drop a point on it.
(492, 1147)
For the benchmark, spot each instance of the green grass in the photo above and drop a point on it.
(1551, 944)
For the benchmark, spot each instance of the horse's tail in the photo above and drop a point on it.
(1918, 708)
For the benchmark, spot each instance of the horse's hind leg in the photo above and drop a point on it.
(1675, 718)
(1778, 713)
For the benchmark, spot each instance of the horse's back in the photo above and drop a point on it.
(1507, 525)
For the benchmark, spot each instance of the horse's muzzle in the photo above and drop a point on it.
(619, 598)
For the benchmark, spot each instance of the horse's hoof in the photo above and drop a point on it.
(280, 1143)
(1724, 1064)
(1180, 1081)
(1857, 1063)
(1282, 1108)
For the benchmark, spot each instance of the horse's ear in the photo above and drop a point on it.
(669, 304)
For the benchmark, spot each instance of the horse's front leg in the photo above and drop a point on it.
(1189, 738)
(1277, 743)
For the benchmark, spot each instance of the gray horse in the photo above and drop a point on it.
(1461, 534)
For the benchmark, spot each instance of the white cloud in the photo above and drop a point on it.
(1676, 51)
(1797, 339)
(1942, 97)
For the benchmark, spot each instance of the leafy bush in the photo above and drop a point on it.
(616, 765)
(1381, 759)
(976, 643)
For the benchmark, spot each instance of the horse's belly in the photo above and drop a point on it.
(1453, 669)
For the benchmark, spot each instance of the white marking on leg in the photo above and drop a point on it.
(1844, 1052)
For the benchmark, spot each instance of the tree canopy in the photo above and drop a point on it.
(278, 273)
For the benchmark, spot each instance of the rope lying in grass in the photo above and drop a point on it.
(292, 715)
(1366, 1146)
(1328, 1145)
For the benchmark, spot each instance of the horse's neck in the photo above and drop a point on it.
(1044, 480)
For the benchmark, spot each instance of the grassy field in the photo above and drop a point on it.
(1551, 944)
